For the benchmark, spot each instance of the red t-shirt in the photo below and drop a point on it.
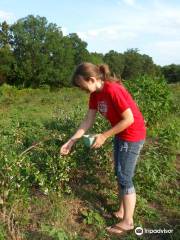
(111, 102)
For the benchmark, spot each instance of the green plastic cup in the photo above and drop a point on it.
(88, 139)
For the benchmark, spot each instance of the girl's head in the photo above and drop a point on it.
(91, 77)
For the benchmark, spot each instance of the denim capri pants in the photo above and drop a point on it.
(126, 154)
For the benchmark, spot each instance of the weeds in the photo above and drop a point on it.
(32, 130)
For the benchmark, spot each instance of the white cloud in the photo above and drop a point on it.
(164, 52)
(111, 32)
(168, 46)
(6, 16)
(64, 30)
(152, 24)
(151, 29)
(129, 2)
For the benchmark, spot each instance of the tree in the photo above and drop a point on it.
(34, 52)
(38, 49)
(79, 47)
(171, 73)
(6, 54)
(64, 62)
(6, 64)
(5, 35)
(133, 64)
(96, 58)
(148, 67)
(137, 64)
(115, 61)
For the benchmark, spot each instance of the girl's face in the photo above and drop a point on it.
(90, 86)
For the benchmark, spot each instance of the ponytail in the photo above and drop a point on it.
(104, 71)
(87, 70)
(106, 74)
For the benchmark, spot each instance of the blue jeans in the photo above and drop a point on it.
(126, 154)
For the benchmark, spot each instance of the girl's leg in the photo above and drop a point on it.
(120, 212)
(130, 152)
(128, 205)
(129, 201)
(126, 165)
(115, 157)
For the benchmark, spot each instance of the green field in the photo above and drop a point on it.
(47, 196)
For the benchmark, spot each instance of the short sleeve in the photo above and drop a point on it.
(92, 101)
(119, 100)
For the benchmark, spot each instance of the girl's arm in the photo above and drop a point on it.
(127, 120)
(84, 126)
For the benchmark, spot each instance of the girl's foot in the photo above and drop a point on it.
(118, 214)
(120, 228)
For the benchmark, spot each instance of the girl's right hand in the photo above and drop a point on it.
(66, 148)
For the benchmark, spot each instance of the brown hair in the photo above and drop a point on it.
(86, 70)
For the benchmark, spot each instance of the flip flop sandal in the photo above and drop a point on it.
(123, 231)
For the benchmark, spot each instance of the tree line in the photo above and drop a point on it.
(34, 53)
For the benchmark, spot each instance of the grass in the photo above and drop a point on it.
(85, 211)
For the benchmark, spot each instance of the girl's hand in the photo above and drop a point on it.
(66, 148)
(99, 140)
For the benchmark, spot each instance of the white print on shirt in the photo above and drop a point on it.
(102, 107)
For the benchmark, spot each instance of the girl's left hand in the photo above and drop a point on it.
(99, 140)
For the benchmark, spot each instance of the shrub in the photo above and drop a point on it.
(152, 96)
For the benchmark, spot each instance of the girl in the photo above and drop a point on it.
(113, 101)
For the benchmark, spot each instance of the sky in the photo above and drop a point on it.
(152, 26)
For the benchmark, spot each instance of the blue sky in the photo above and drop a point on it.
(151, 26)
